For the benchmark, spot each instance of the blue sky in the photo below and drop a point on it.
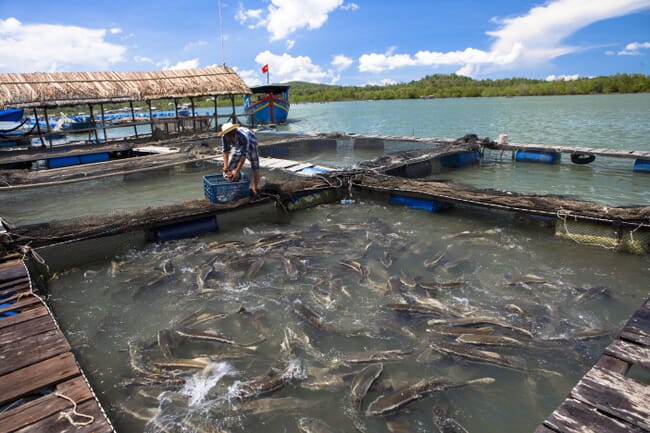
(331, 41)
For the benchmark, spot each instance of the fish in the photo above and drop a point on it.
(477, 355)
(407, 279)
(165, 342)
(264, 385)
(290, 267)
(355, 266)
(374, 356)
(177, 364)
(321, 296)
(432, 303)
(167, 267)
(254, 268)
(488, 340)
(394, 284)
(432, 286)
(434, 261)
(386, 259)
(443, 422)
(272, 405)
(527, 279)
(481, 320)
(310, 316)
(459, 330)
(114, 269)
(303, 340)
(362, 382)
(591, 292)
(389, 403)
(313, 425)
(209, 335)
(414, 309)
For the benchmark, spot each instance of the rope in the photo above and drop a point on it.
(68, 414)
(26, 250)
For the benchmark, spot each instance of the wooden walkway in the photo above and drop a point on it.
(609, 398)
(40, 381)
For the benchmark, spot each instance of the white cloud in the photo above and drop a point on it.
(115, 30)
(194, 44)
(524, 41)
(632, 49)
(341, 62)
(290, 43)
(284, 17)
(186, 64)
(350, 7)
(22, 48)
(141, 59)
(563, 77)
(284, 67)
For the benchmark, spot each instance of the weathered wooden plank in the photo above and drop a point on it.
(36, 376)
(57, 424)
(31, 350)
(29, 413)
(630, 352)
(574, 417)
(20, 331)
(11, 271)
(615, 395)
(7, 285)
(634, 337)
(639, 323)
(610, 363)
(21, 304)
(23, 316)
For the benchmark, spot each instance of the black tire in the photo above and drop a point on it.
(582, 158)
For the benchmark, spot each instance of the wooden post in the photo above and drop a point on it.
(234, 113)
(193, 118)
(178, 122)
(38, 128)
(92, 120)
(135, 126)
(150, 117)
(47, 123)
(216, 116)
(103, 122)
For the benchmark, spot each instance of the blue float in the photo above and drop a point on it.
(642, 165)
(186, 229)
(63, 161)
(94, 157)
(419, 203)
(538, 156)
(460, 159)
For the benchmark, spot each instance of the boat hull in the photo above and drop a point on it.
(272, 104)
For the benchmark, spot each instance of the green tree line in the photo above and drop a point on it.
(456, 86)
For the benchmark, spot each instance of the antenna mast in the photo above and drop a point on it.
(223, 59)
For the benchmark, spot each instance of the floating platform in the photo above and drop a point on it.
(42, 387)
(609, 398)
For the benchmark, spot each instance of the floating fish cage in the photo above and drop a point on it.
(538, 156)
(219, 190)
(620, 239)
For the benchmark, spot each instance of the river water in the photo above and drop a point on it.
(129, 312)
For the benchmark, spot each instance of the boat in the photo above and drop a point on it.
(12, 128)
(268, 104)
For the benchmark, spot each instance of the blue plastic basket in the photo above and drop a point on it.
(219, 190)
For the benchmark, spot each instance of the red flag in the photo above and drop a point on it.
(265, 68)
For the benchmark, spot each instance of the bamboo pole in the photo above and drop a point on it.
(193, 114)
(150, 117)
(103, 123)
(178, 122)
(135, 126)
(38, 128)
(92, 120)
(216, 116)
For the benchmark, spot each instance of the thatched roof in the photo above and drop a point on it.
(40, 89)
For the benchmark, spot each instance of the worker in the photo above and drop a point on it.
(243, 144)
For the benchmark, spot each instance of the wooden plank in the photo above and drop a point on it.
(639, 323)
(29, 413)
(9, 284)
(574, 417)
(31, 350)
(17, 306)
(607, 362)
(23, 316)
(616, 395)
(630, 352)
(19, 331)
(10, 271)
(57, 424)
(36, 376)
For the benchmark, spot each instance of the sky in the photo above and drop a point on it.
(342, 42)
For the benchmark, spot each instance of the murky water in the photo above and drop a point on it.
(113, 311)
(129, 315)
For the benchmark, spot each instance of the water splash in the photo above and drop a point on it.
(199, 385)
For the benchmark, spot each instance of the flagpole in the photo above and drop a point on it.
(267, 77)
